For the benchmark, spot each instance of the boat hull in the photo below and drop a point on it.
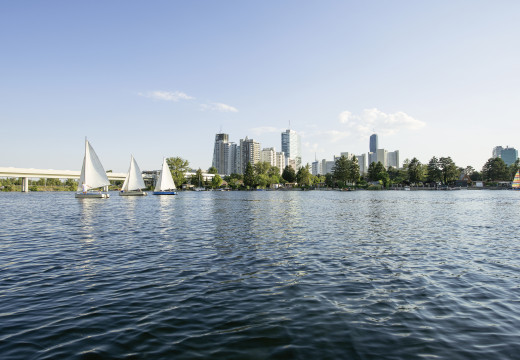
(132, 193)
(165, 193)
(92, 196)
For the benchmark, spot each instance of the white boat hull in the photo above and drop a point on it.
(92, 196)
(132, 193)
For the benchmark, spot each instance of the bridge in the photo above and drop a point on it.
(27, 174)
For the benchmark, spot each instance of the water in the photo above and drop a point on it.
(261, 275)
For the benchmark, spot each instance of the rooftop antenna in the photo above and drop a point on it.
(289, 124)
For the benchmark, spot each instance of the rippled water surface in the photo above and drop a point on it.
(261, 275)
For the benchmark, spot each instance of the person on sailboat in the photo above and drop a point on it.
(84, 187)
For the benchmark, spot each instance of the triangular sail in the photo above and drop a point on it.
(165, 181)
(134, 178)
(516, 181)
(92, 172)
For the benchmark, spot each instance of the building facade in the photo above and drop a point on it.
(374, 144)
(291, 146)
(362, 162)
(393, 159)
(249, 153)
(221, 153)
(509, 155)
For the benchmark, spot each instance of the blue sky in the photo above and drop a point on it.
(160, 78)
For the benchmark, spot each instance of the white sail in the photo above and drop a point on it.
(134, 179)
(165, 181)
(92, 172)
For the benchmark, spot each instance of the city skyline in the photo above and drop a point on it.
(161, 79)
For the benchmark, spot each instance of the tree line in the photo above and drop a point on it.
(346, 172)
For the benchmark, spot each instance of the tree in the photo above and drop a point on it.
(289, 174)
(216, 181)
(449, 170)
(249, 176)
(434, 170)
(377, 172)
(513, 169)
(353, 170)
(414, 171)
(341, 169)
(212, 170)
(495, 169)
(178, 168)
(303, 177)
(261, 168)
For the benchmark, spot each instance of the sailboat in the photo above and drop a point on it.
(134, 182)
(516, 181)
(165, 185)
(92, 176)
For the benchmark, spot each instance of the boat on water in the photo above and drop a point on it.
(516, 181)
(165, 185)
(92, 177)
(134, 183)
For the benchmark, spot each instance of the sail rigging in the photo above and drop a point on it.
(165, 181)
(92, 172)
(134, 178)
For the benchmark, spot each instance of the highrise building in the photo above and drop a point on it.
(221, 153)
(249, 153)
(374, 145)
(509, 155)
(268, 155)
(233, 159)
(280, 161)
(497, 151)
(316, 168)
(382, 156)
(372, 158)
(393, 159)
(362, 162)
(292, 148)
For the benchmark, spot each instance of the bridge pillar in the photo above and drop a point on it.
(105, 188)
(25, 184)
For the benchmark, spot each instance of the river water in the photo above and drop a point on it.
(261, 275)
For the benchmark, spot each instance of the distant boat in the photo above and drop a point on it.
(134, 182)
(92, 176)
(165, 185)
(516, 181)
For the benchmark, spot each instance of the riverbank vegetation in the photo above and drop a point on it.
(345, 174)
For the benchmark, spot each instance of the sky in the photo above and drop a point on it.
(160, 78)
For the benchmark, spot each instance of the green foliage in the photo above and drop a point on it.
(377, 172)
(448, 169)
(513, 168)
(71, 184)
(212, 170)
(495, 169)
(415, 171)
(304, 177)
(216, 181)
(178, 168)
(346, 170)
(261, 168)
(289, 174)
(434, 171)
(249, 176)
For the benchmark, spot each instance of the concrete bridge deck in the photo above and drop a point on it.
(27, 174)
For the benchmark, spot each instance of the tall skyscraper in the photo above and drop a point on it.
(509, 155)
(221, 153)
(362, 162)
(393, 159)
(249, 153)
(292, 148)
(373, 143)
(497, 151)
